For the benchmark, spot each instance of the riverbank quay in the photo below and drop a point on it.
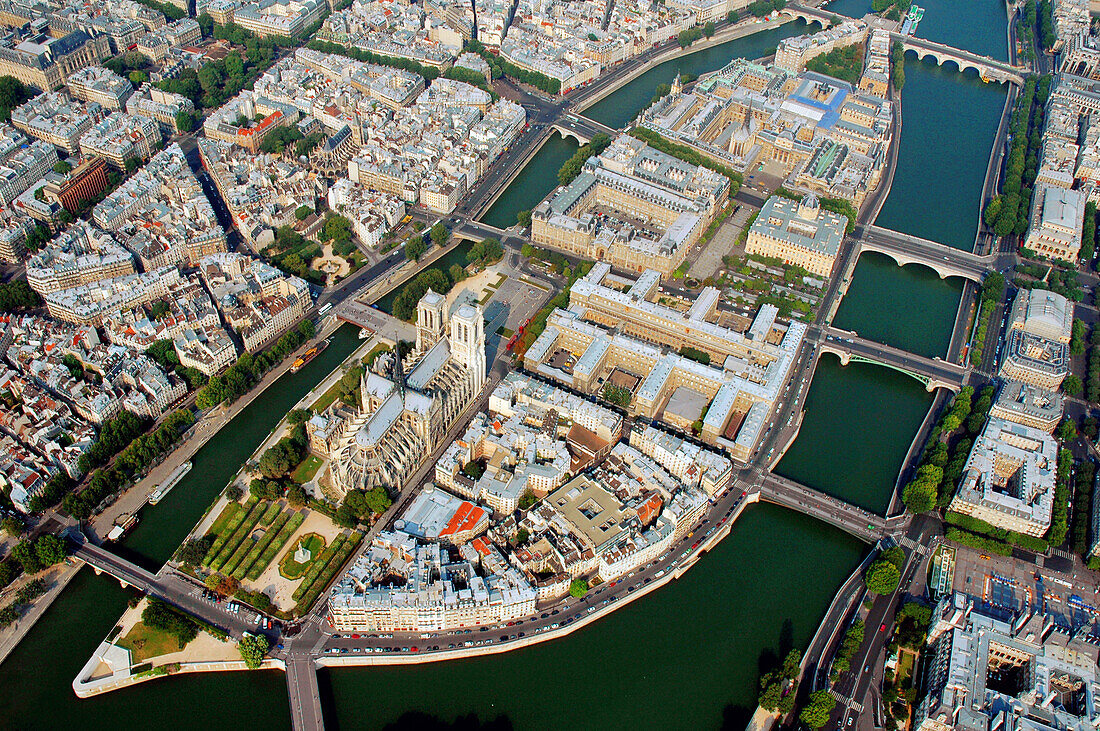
(588, 617)
(132, 500)
(633, 69)
(57, 578)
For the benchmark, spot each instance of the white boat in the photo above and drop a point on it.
(364, 333)
(164, 487)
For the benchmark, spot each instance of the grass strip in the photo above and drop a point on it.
(276, 545)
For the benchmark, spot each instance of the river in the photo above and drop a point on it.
(534, 182)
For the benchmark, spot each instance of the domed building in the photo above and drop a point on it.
(402, 415)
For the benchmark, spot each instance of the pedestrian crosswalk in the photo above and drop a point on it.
(912, 545)
(847, 702)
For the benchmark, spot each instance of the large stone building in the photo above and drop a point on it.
(633, 207)
(614, 336)
(400, 585)
(1037, 351)
(1028, 405)
(1009, 478)
(43, 62)
(798, 232)
(821, 133)
(403, 416)
(1057, 214)
(985, 670)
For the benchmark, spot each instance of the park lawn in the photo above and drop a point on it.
(905, 665)
(307, 469)
(291, 569)
(228, 513)
(145, 642)
(326, 398)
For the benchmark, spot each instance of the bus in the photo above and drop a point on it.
(324, 310)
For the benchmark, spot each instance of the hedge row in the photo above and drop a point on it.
(238, 536)
(275, 546)
(258, 547)
(229, 512)
(1012, 538)
(318, 565)
(272, 512)
(973, 541)
(330, 572)
(227, 529)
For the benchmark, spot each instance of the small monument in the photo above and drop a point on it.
(302, 554)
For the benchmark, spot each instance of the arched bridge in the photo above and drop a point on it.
(989, 69)
(932, 372)
(947, 261)
(582, 129)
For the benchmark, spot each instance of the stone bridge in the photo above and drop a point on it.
(582, 129)
(946, 261)
(989, 69)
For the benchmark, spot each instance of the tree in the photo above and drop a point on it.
(578, 587)
(296, 496)
(194, 551)
(1072, 385)
(1067, 431)
(61, 167)
(524, 218)
(159, 615)
(252, 649)
(303, 212)
(527, 499)
(415, 248)
(13, 526)
(185, 121)
(882, 577)
(25, 554)
(817, 711)
(50, 550)
(708, 28)
(12, 94)
(732, 17)
(439, 234)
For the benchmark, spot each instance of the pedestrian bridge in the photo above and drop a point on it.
(932, 372)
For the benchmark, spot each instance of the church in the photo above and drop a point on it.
(403, 415)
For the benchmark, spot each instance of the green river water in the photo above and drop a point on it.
(687, 656)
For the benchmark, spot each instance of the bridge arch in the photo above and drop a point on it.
(566, 133)
(846, 357)
(943, 272)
